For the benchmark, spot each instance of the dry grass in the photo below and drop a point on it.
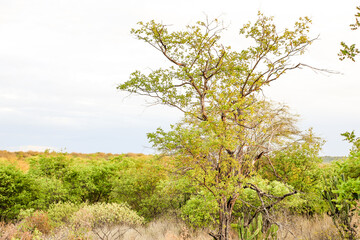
(12, 231)
(161, 229)
(301, 227)
(292, 227)
(167, 229)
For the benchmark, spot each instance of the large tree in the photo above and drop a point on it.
(227, 126)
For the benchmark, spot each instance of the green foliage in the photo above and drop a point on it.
(200, 210)
(50, 190)
(351, 138)
(100, 214)
(227, 127)
(250, 197)
(342, 207)
(92, 182)
(49, 166)
(143, 184)
(64, 178)
(17, 191)
(60, 213)
(342, 189)
(350, 51)
(298, 165)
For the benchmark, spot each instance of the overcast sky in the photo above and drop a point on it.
(61, 60)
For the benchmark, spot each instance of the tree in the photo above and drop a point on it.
(227, 125)
(351, 51)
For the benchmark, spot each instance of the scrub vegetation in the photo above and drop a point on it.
(134, 196)
(235, 167)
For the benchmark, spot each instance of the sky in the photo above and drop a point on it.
(60, 63)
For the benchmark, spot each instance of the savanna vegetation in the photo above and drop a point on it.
(133, 196)
(235, 167)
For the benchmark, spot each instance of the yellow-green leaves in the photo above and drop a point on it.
(350, 51)
(227, 126)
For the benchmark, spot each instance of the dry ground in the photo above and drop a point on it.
(291, 227)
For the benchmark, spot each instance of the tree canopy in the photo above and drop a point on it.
(228, 125)
(351, 51)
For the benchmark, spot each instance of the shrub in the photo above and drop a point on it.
(17, 191)
(200, 211)
(140, 184)
(11, 231)
(92, 182)
(37, 221)
(297, 165)
(50, 191)
(60, 213)
(49, 166)
(99, 214)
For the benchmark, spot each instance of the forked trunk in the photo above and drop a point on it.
(225, 217)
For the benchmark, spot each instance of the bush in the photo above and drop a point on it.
(100, 214)
(37, 221)
(49, 166)
(92, 182)
(60, 213)
(17, 191)
(342, 190)
(141, 184)
(50, 191)
(200, 211)
(63, 178)
(297, 165)
(11, 231)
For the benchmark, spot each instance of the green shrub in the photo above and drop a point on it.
(100, 214)
(142, 183)
(297, 165)
(50, 190)
(63, 178)
(91, 182)
(341, 189)
(60, 213)
(200, 210)
(49, 166)
(17, 191)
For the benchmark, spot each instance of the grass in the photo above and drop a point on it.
(170, 228)
(311, 228)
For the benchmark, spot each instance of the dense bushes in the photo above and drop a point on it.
(17, 191)
(341, 190)
(141, 182)
(86, 193)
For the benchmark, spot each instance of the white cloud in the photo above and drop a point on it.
(32, 148)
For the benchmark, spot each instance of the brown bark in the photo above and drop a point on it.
(225, 216)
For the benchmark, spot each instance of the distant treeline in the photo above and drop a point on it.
(21, 155)
(327, 159)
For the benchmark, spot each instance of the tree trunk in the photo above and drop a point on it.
(225, 216)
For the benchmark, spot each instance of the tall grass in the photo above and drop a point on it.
(166, 228)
